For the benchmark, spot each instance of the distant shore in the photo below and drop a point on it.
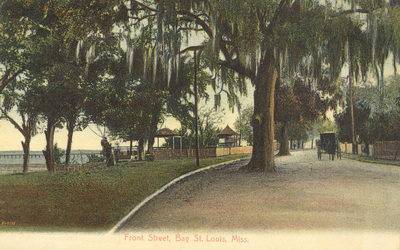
(15, 158)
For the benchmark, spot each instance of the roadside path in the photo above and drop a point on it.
(304, 194)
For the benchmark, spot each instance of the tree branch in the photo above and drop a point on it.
(6, 79)
(238, 67)
(12, 121)
(144, 6)
(192, 48)
(139, 19)
(351, 11)
(198, 20)
(275, 19)
(190, 29)
(234, 64)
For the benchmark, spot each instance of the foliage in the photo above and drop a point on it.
(377, 113)
(381, 100)
(243, 124)
(361, 119)
(209, 121)
(93, 158)
(299, 103)
(15, 101)
(149, 157)
(58, 154)
(324, 125)
(299, 131)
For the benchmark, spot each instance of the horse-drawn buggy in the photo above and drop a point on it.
(328, 144)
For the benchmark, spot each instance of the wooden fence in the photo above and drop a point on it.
(387, 150)
(164, 154)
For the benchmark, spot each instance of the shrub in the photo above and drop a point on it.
(93, 158)
(149, 157)
(58, 154)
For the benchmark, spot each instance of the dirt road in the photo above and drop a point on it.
(304, 194)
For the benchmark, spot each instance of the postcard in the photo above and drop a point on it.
(199, 124)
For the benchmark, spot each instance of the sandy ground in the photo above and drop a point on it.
(305, 194)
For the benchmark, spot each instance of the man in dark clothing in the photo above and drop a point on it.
(107, 152)
(319, 152)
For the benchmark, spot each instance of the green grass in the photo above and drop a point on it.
(371, 160)
(87, 200)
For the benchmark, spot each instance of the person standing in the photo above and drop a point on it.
(107, 152)
(338, 150)
(319, 153)
(117, 153)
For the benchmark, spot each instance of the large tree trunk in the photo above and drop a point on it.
(70, 128)
(26, 149)
(284, 140)
(130, 148)
(140, 149)
(153, 130)
(352, 115)
(49, 152)
(262, 158)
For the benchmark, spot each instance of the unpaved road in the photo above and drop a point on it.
(305, 194)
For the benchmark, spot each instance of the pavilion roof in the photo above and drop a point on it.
(227, 131)
(165, 132)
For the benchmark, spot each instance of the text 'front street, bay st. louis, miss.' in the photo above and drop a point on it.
(187, 238)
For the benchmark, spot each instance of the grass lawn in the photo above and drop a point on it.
(87, 200)
(369, 159)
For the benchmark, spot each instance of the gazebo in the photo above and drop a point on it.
(230, 137)
(168, 133)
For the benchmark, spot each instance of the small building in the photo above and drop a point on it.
(166, 133)
(229, 138)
